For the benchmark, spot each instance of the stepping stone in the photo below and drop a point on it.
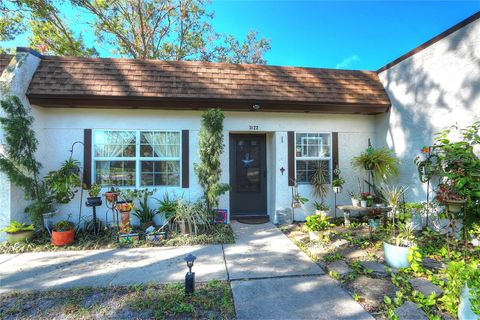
(378, 269)
(432, 264)
(339, 243)
(409, 310)
(317, 251)
(379, 254)
(372, 290)
(353, 253)
(340, 267)
(425, 287)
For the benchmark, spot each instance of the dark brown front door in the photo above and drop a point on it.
(248, 175)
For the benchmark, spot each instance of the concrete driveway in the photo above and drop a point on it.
(64, 269)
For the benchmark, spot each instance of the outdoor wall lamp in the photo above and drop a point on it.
(190, 276)
(256, 107)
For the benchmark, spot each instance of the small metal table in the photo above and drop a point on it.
(364, 210)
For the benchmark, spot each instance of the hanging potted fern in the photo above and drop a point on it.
(381, 162)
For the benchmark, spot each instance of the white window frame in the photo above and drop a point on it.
(330, 158)
(138, 159)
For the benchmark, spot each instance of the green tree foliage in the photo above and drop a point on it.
(50, 30)
(10, 25)
(211, 148)
(18, 160)
(143, 29)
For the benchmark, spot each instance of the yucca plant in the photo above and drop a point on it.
(394, 196)
(382, 162)
(320, 180)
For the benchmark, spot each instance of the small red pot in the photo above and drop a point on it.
(63, 238)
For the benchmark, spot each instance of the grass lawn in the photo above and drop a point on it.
(218, 234)
(212, 300)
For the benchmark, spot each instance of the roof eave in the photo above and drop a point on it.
(115, 102)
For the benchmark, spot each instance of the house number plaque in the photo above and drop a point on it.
(253, 128)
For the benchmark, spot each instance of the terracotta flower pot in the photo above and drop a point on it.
(111, 196)
(63, 238)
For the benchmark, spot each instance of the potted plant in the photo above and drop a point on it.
(378, 201)
(355, 199)
(364, 199)
(19, 232)
(93, 200)
(396, 249)
(381, 162)
(298, 201)
(167, 206)
(63, 233)
(321, 208)
(125, 208)
(112, 195)
(65, 182)
(337, 184)
(448, 196)
(316, 225)
(143, 211)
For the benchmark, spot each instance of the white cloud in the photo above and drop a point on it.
(348, 62)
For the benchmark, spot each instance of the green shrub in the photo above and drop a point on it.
(318, 222)
(16, 226)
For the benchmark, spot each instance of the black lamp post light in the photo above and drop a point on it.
(190, 276)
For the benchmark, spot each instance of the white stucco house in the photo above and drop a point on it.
(138, 120)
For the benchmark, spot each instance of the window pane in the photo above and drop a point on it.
(307, 168)
(115, 173)
(164, 173)
(313, 145)
(114, 144)
(146, 151)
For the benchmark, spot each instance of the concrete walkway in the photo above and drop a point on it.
(270, 277)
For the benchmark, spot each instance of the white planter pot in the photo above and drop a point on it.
(313, 235)
(322, 212)
(363, 203)
(475, 242)
(396, 257)
(465, 311)
(379, 205)
(355, 202)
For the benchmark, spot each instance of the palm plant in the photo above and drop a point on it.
(192, 215)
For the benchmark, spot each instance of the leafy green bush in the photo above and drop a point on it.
(62, 226)
(16, 226)
(318, 222)
(457, 274)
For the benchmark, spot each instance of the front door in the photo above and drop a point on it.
(248, 175)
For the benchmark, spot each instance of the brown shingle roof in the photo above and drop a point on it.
(106, 78)
(4, 61)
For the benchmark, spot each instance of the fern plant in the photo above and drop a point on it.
(382, 162)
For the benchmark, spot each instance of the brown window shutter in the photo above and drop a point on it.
(334, 152)
(87, 157)
(291, 158)
(185, 159)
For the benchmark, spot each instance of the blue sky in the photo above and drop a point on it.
(352, 35)
(334, 34)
